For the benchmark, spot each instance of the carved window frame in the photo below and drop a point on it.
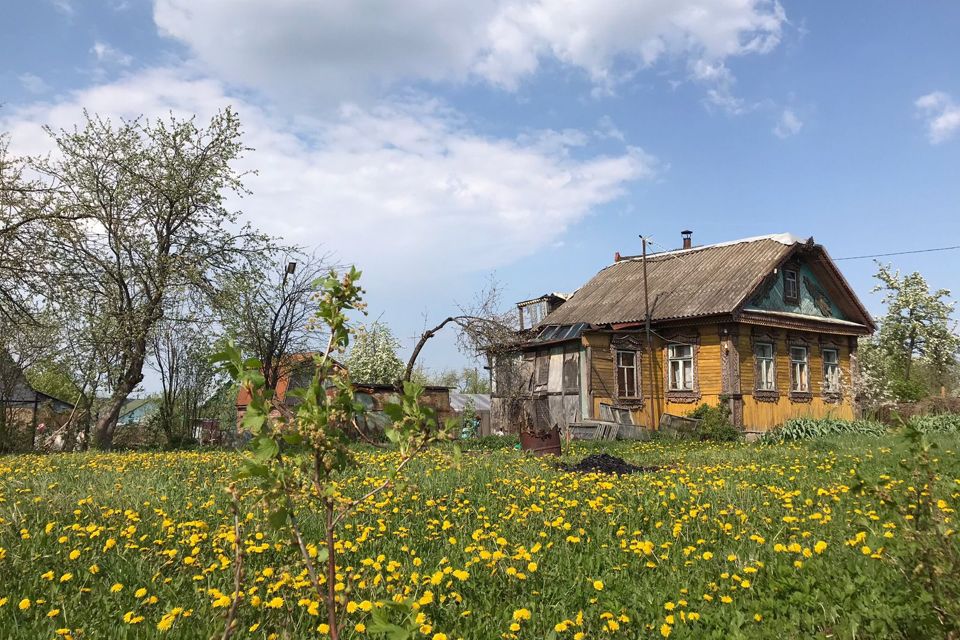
(831, 395)
(799, 342)
(682, 396)
(764, 395)
(636, 344)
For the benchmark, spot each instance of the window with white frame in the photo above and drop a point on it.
(791, 285)
(680, 361)
(799, 370)
(831, 370)
(766, 378)
(628, 374)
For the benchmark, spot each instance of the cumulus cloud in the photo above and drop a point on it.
(33, 83)
(941, 114)
(346, 49)
(106, 54)
(788, 125)
(405, 182)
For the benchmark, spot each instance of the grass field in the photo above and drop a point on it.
(725, 541)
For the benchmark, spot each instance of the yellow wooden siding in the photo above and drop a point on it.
(761, 416)
(757, 416)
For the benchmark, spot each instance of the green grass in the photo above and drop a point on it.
(713, 517)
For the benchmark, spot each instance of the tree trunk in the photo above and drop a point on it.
(107, 423)
(910, 347)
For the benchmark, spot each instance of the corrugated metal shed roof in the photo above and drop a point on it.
(689, 283)
(481, 401)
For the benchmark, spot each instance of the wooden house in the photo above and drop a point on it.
(768, 325)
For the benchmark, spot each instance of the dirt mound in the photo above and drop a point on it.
(605, 463)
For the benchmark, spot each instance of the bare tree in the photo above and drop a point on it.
(483, 329)
(180, 349)
(269, 311)
(142, 213)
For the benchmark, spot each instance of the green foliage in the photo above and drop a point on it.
(908, 390)
(760, 512)
(715, 424)
(305, 452)
(938, 423)
(928, 556)
(810, 428)
(491, 443)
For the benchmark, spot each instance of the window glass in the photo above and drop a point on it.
(831, 370)
(799, 370)
(791, 288)
(766, 379)
(627, 374)
(680, 358)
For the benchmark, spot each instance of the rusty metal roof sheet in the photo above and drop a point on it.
(689, 283)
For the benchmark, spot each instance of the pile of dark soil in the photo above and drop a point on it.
(605, 463)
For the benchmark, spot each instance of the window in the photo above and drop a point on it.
(799, 370)
(543, 370)
(571, 371)
(531, 314)
(766, 378)
(680, 358)
(628, 374)
(791, 285)
(831, 371)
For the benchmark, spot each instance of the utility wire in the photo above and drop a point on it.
(863, 257)
(898, 253)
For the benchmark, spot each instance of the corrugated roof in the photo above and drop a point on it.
(701, 281)
(458, 401)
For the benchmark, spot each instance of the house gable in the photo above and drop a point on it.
(813, 299)
(823, 294)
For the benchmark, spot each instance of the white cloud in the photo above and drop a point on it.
(788, 125)
(33, 83)
(107, 54)
(406, 182)
(942, 115)
(342, 49)
(64, 6)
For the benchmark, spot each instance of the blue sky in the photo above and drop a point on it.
(436, 143)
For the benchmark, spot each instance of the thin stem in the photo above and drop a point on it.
(231, 623)
(331, 572)
(385, 484)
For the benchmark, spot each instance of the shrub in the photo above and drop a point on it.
(942, 423)
(491, 443)
(806, 428)
(909, 390)
(715, 424)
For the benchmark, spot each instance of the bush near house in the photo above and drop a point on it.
(807, 428)
(715, 423)
(936, 423)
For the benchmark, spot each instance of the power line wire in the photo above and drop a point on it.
(863, 257)
(898, 253)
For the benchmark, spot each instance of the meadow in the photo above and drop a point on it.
(791, 540)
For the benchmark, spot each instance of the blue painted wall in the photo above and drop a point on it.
(814, 300)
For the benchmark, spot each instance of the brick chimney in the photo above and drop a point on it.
(687, 238)
(616, 257)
